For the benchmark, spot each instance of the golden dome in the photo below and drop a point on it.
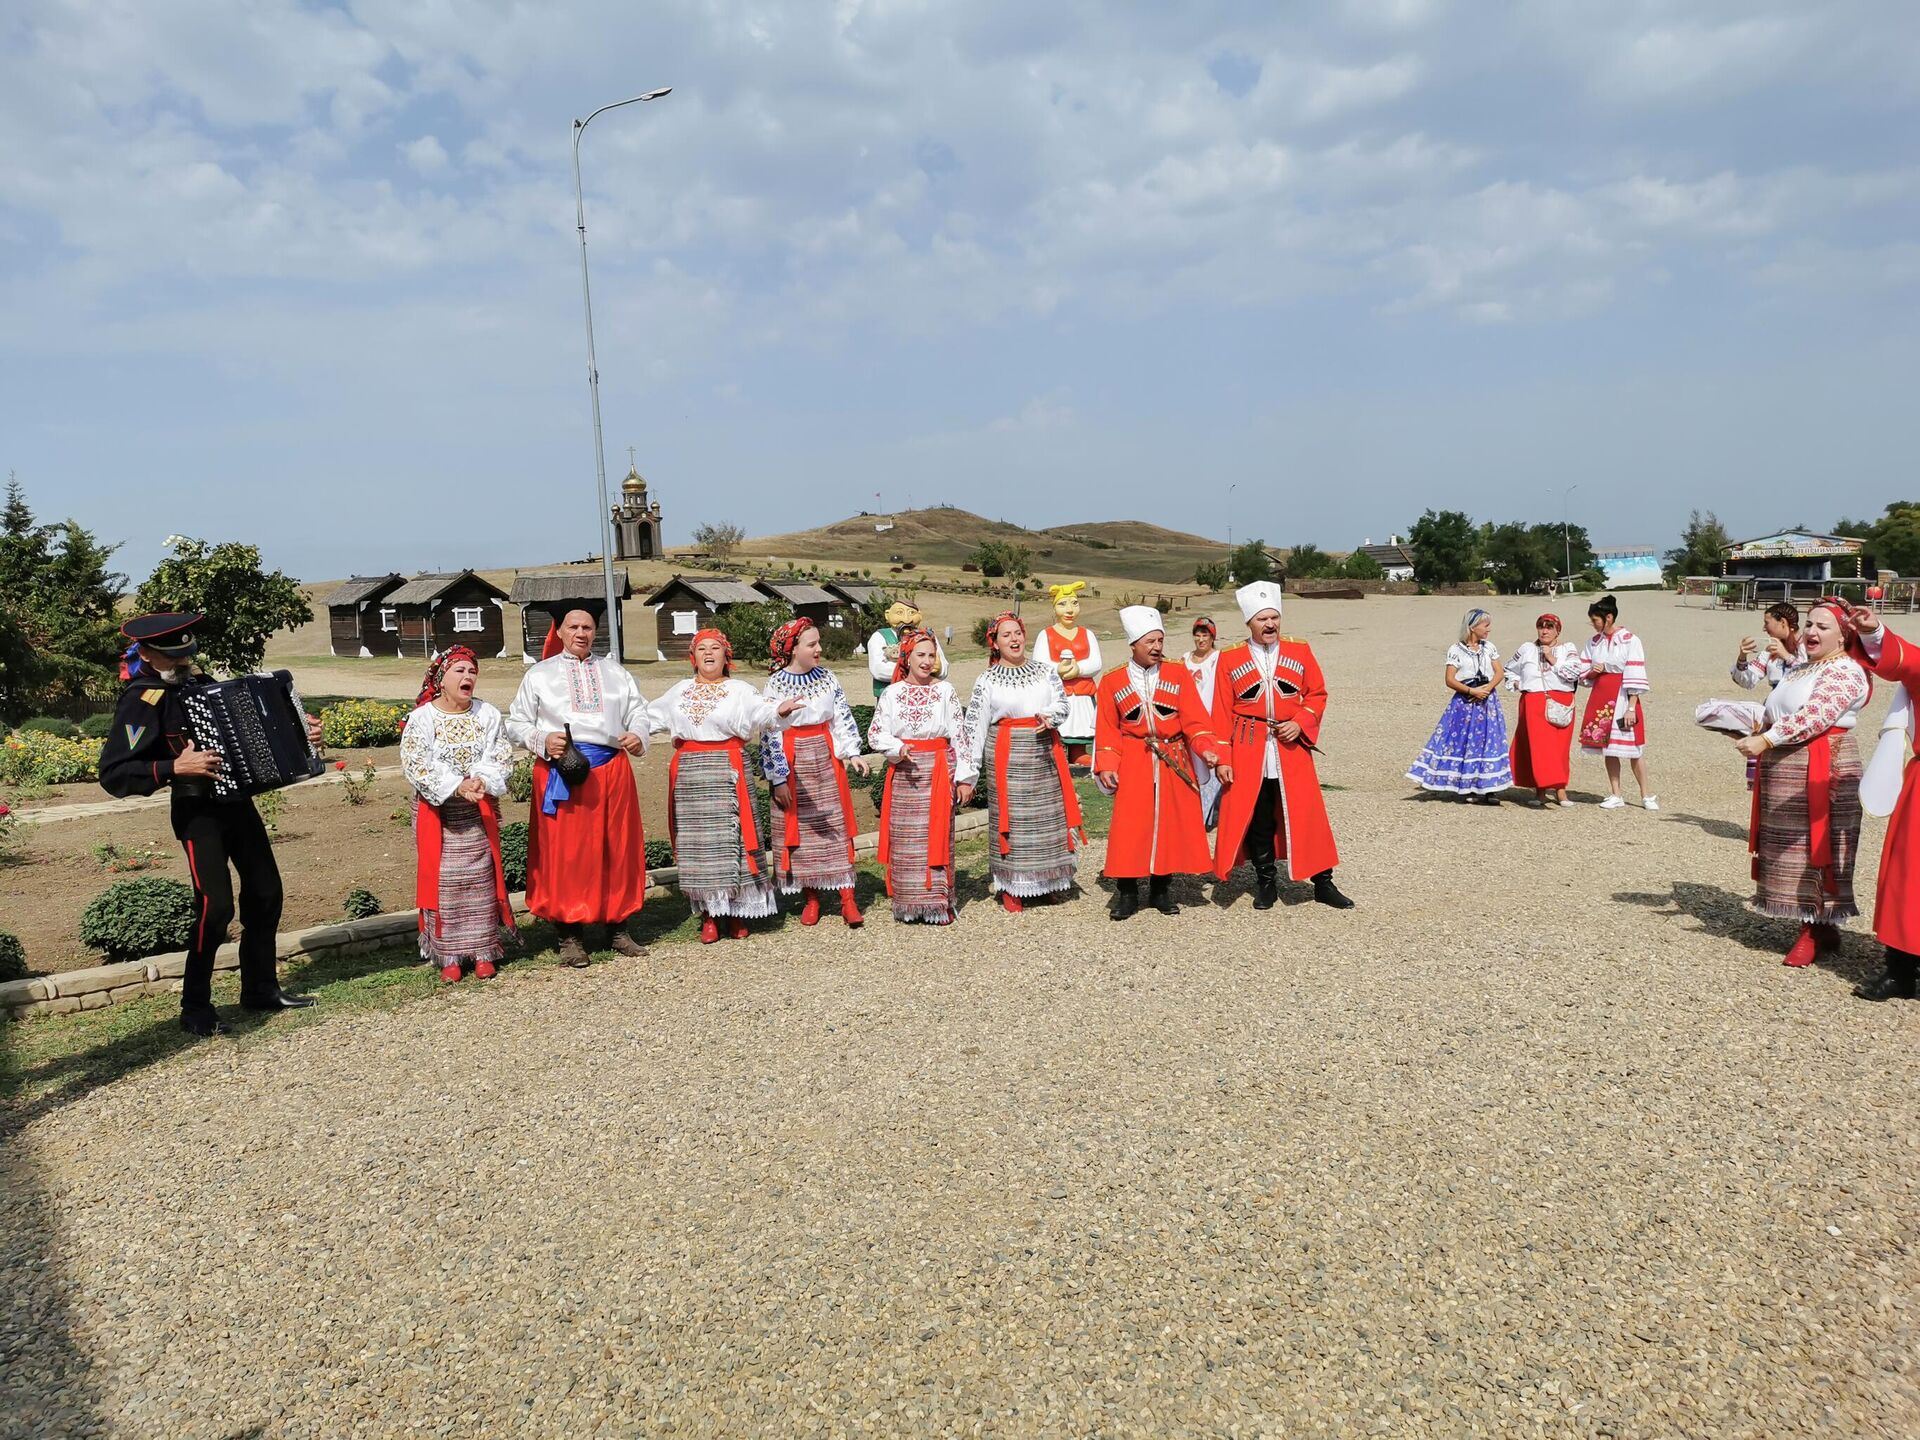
(633, 484)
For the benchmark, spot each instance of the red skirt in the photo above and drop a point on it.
(1542, 752)
(587, 862)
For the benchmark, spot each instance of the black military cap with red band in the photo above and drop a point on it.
(169, 633)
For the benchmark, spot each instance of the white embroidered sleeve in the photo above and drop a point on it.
(420, 759)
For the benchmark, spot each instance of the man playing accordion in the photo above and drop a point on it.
(150, 746)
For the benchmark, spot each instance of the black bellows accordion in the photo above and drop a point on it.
(259, 728)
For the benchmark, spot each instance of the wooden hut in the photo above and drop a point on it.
(359, 619)
(457, 608)
(808, 600)
(856, 593)
(686, 604)
(545, 596)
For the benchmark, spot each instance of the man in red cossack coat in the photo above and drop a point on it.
(1268, 701)
(1149, 722)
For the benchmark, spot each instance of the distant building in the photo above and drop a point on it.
(636, 522)
(1795, 555)
(432, 612)
(806, 599)
(857, 594)
(359, 619)
(687, 603)
(544, 597)
(1392, 557)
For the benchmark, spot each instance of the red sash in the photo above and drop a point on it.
(791, 839)
(737, 751)
(426, 864)
(1005, 738)
(939, 815)
(1819, 813)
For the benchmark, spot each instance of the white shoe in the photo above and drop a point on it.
(1613, 802)
(1652, 802)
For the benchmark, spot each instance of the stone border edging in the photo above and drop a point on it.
(84, 809)
(101, 985)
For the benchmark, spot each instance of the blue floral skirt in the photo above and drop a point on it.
(1468, 752)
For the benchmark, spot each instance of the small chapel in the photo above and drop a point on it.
(636, 519)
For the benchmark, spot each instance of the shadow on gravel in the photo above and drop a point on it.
(45, 1384)
(1724, 915)
(1719, 829)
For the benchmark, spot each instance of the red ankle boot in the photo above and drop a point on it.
(850, 912)
(450, 971)
(1804, 949)
(709, 930)
(483, 970)
(810, 908)
(1010, 902)
(736, 929)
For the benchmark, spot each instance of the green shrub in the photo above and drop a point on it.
(33, 757)
(95, 727)
(659, 854)
(513, 853)
(137, 918)
(51, 725)
(749, 630)
(353, 724)
(520, 778)
(13, 957)
(361, 903)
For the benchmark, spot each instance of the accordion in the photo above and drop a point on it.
(259, 728)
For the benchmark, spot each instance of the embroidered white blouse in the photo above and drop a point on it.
(923, 712)
(598, 699)
(1531, 668)
(1749, 673)
(730, 709)
(1619, 651)
(1473, 664)
(1816, 697)
(439, 749)
(1012, 692)
(822, 702)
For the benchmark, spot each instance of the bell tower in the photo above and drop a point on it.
(636, 519)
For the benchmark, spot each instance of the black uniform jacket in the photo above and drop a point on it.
(149, 729)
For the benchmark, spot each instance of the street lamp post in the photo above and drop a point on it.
(1566, 535)
(593, 374)
(1230, 489)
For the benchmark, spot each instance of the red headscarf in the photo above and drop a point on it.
(1205, 622)
(788, 636)
(437, 671)
(726, 647)
(909, 637)
(1548, 619)
(1842, 611)
(993, 631)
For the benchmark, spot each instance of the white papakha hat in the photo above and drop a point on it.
(1140, 621)
(1261, 595)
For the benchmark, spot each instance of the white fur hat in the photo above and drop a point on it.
(1140, 621)
(1261, 595)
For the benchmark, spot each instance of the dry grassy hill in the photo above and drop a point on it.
(1129, 549)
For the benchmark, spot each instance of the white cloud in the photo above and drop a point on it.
(426, 155)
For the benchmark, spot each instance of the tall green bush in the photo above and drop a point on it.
(13, 957)
(137, 918)
(513, 854)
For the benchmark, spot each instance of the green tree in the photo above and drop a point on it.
(749, 630)
(1002, 559)
(1251, 562)
(1214, 574)
(1310, 562)
(1516, 557)
(1893, 541)
(243, 603)
(1362, 566)
(58, 635)
(1445, 547)
(718, 539)
(1702, 548)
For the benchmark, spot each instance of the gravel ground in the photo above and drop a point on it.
(1541, 1140)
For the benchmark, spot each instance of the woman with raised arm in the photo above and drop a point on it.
(719, 849)
(1806, 800)
(807, 764)
(919, 725)
(1013, 723)
(455, 754)
(1467, 752)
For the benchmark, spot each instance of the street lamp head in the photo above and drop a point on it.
(659, 94)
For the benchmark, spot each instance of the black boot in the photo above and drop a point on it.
(1900, 981)
(203, 1022)
(275, 1000)
(1266, 886)
(1160, 895)
(1328, 893)
(1126, 899)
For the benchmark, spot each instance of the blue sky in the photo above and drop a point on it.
(305, 274)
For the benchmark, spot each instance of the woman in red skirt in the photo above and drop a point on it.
(1546, 672)
(1896, 906)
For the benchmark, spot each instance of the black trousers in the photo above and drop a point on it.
(1268, 808)
(217, 834)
